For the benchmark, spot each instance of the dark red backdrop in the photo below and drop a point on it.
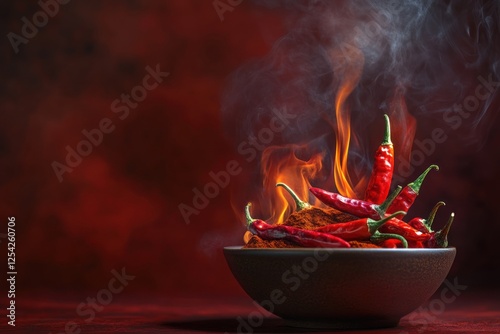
(119, 206)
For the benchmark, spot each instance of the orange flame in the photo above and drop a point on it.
(349, 61)
(283, 165)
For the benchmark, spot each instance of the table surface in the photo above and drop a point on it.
(469, 313)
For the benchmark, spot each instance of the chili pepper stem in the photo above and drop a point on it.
(387, 134)
(415, 185)
(432, 215)
(378, 237)
(374, 225)
(382, 208)
(442, 235)
(298, 202)
(248, 217)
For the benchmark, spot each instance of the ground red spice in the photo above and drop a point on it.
(362, 244)
(308, 219)
(315, 217)
(256, 242)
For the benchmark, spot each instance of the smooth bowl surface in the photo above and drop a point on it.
(340, 288)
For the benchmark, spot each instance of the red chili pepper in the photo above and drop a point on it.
(407, 196)
(396, 243)
(424, 225)
(355, 207)
(419, 224)
(383, 167)
(360, 229)
(415, 244)
(391, 243)
(439, 239)
(402, 228)
(305, 238)
(383, 239)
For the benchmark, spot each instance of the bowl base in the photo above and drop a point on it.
(343, 324)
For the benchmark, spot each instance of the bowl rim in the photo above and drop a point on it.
(308, 250)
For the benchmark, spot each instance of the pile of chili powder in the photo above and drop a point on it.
(308, 219)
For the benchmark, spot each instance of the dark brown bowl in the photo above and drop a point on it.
(340, 288)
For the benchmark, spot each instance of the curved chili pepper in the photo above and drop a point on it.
(424, 225)
(382, 239)
(439, 239)
(434, 239)
(305, 238)
(352, 206)
(391, 243)
(383, 167)
(298, 202)
(355, 207)
(360, 229)
(407, 196)
(396, 243)
(402, 228)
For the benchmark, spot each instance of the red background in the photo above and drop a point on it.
(119, 207)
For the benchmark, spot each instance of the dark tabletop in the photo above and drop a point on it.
(471, 312)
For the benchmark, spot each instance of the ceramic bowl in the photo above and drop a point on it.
(340, 288)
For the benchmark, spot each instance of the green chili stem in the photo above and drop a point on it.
(432, 215)
(248, 217)
(298, 202)
(415, 185)
(374, 225)
(382, 208)
(387, 134)
(377, 237)
(442, 235)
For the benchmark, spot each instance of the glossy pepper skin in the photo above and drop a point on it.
(437, 239)
(407, 196)
(400, 227)
(389, 240)
(355, 207)
(391, 243)
(360, 229)
(383, 168)
(419, 224)
(352, 206)
(396, 243)
(305, 238)
(425, 225)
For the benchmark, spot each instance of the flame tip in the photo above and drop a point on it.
(283, 167)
